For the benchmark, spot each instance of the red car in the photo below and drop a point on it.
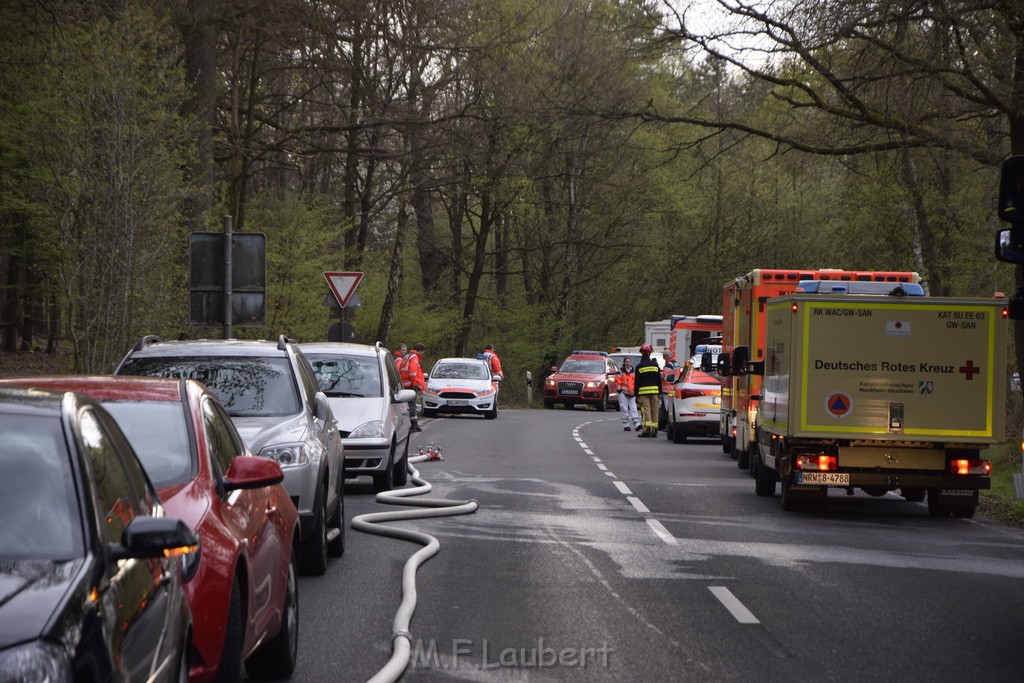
(586, 377)
(242, 584)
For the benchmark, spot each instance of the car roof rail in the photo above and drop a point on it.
(146, 341)
(593, 353)
(282, 342)
(379, 346)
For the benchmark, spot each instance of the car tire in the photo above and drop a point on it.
(385, 479)
(401, 474)
(493, 412)
(677, 434)
(276, 658)
(549, 404)
(336, 547)
(314, 549)
(229, 670)
(603, 405)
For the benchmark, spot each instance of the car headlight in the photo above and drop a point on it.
(374, 428)
(593, 385)
(433, 391)
(549, 382)
(288, 454)
(37, 661)
(484, 392)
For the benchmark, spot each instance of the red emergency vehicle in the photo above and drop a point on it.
(743, 326)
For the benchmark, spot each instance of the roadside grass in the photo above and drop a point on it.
(1001, 502)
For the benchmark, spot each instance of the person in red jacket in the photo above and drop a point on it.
(400, 353)
(414, 371)
(493, 361)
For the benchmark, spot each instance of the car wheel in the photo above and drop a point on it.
(603, 405)
(677, 434)
(549, 404)
(314, 550)
(401, 474)
(336, 546)
(385, 480)
(230, 668)
(493, 412)
(276, 658)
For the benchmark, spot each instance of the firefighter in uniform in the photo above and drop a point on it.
(648, 392)
(627, 396)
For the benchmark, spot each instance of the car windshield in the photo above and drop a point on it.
(346, 376)
(159, 436)
(586, 367)
(460, 371)
(38, 514)
(247, 386)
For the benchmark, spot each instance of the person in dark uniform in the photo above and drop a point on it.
(648, 392)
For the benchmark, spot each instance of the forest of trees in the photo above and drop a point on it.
(536, 174)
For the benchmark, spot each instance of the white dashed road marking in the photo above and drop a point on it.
(623, 489)
(662, 532)
(640, 507)
(732, 603)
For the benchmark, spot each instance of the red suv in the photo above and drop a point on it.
(586, 377)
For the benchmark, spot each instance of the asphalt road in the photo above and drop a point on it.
(598, 556)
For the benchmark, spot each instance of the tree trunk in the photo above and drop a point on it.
(200, 40)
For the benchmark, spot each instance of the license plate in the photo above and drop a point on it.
(458, 402)
(826, 478)
(570, 391)
(717, 400)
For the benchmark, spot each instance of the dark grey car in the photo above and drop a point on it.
(271, 394)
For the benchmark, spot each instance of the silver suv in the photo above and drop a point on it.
(271, 393)
(371, 407)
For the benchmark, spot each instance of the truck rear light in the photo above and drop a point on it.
(965, 467)
(816, 461)
(794, 308)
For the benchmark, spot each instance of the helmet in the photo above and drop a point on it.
(646, 349)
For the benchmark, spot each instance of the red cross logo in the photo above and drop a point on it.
(969, 369)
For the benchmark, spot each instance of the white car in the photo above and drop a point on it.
(461, 385)
(695, 406)
(371, 407)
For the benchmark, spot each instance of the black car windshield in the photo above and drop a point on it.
(247, 386)
(460, 371)
(38, 514)
(586, 367)
(346, 376)
(159, 436)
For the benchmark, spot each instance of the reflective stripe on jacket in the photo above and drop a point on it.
(648, 377)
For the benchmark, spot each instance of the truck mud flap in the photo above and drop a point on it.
(954, 496)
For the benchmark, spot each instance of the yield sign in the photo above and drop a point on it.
(343, 285)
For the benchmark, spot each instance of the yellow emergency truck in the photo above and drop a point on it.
(878, 387)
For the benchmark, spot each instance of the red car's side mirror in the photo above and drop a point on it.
(248, 472)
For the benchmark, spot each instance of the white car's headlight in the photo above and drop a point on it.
(484, 392)
(433, 391)
(374, 428)
(287, 454)
(38, 661)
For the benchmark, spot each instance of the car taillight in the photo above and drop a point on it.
(816, 461)
(689, 393)
(965, 466)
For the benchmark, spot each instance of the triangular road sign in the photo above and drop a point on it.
(343, 285)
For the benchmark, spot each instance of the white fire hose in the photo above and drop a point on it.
(401, 638)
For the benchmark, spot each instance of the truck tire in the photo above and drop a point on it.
(733, 453)
(963, 511)
(937, 509)
(764, 479)
(742, 459)
(913, 495)
(752, 458)
(790, 503)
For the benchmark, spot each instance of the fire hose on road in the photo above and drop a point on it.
(372, 523)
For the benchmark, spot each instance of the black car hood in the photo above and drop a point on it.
(30, 592)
